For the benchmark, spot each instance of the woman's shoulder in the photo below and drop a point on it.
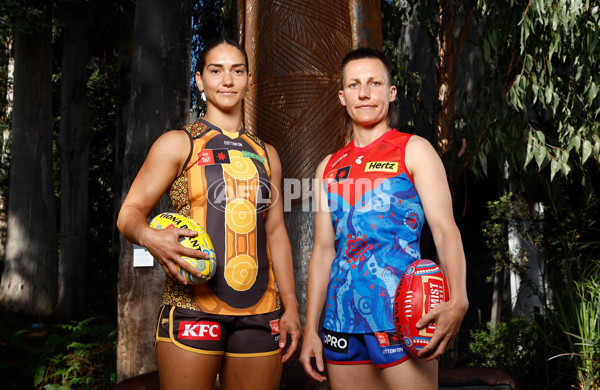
(172, 144)
(173, 138)
(322, 165)
(418, 143)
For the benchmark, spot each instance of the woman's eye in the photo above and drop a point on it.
(376, 83)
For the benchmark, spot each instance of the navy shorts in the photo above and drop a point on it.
(382, 349)
(213, 334)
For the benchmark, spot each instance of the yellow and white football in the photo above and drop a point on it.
(201, 242)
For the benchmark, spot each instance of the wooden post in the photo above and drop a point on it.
(295, 49)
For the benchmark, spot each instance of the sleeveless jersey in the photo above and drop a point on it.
(225, 187)
(377, 217)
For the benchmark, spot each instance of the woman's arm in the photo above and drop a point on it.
(431, 182)
(281, 255)
(319, 268)
(163, 163)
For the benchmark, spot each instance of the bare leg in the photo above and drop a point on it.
(252, 373)
(179, 369)
(354, 377)
(412, 374)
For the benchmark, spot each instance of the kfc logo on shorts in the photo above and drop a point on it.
(335, 342)
(274, 326)
(203, 330)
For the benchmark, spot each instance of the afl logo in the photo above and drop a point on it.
(409, 271)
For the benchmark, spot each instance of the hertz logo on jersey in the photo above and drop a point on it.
(385, 166)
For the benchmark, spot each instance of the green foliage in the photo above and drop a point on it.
(510, 213)
(411, 85)
(16, 16)
(579, 309)
(79, 355)
(567, 330)
(507, 345)
(539, 94)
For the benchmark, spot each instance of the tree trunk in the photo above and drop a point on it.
(29, 279)
(123, 107)
(449, 48)
(74, 147)
(159, 101)
(5, 151)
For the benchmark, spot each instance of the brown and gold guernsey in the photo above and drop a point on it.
(225, 187)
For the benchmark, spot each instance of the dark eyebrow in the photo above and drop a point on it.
(233, 66)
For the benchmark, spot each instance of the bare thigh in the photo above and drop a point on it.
(179, 369)
(354, 377)
(412, 374)
(252, 373)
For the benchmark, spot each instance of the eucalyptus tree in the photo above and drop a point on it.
(74, 148)
(538, 103)
(29, 277)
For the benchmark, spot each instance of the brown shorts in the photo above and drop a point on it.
(213, 334)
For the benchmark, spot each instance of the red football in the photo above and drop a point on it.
(421, 288)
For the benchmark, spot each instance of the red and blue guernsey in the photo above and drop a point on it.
(377, 217)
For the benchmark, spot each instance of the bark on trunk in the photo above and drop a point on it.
(5, 152)
(29, 280)
(159, 102)
(449, 48)
(74, 147)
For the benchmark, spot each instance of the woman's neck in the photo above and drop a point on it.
(226, 121)
(363, 136)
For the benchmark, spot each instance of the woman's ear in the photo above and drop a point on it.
(199, 83)
(393, 92)
(342, 98)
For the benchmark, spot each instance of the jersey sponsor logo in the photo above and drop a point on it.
(238, 144)
(384, 166)
(336, 342)
(199, 330)
(213, 156)
(383, 339)
(396, 349)
(337, 175)
(359, 159)
(255, 156)
(387, 339)
(274, 326)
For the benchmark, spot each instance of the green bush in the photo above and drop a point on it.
(510, 346)
(79, 355)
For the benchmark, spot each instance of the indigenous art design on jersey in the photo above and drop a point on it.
(226, 188)
(377, 216)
